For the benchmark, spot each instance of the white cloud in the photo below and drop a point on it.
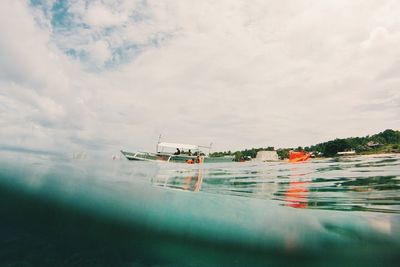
(237, 73)
(99, 52)
(99, 15)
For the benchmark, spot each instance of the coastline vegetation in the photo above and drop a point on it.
(387, 141)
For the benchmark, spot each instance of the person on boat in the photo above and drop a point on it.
(199, 159)
(177, 152)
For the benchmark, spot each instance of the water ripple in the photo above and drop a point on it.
(365, 183)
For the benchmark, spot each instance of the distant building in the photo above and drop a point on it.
(267, 156)
(373, 144)
(346, 153)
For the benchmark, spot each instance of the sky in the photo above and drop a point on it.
(100, 75)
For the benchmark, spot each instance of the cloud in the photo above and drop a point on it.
(99, 52)
(82, 28)
(99, 15)
(104, 75)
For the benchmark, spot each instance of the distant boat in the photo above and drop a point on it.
(185, 153)
(298, 156)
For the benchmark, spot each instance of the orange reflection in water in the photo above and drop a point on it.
(187, 183)
(296, 195)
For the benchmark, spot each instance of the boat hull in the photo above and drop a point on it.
(146, 156)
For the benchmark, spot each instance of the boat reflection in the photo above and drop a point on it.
(187, 180)
(193, 182)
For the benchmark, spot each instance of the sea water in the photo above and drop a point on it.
(57, 211)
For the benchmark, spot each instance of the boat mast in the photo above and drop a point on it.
(209, 148)
(159, 139)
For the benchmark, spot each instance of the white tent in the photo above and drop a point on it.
(180, 146)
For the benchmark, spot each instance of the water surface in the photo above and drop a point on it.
(365, 183)
(64, 212)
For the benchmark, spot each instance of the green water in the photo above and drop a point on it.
(334, 212)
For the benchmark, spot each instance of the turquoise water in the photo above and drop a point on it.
(332, 212)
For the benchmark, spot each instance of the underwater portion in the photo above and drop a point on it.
(325, 212)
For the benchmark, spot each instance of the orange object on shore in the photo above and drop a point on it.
(298, 156)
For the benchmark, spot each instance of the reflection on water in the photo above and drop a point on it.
(367, 183)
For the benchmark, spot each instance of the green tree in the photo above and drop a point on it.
(335, 146)
(283, 153)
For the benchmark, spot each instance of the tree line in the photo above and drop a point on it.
(386, 141)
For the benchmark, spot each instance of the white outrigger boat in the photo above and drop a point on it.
(185, 153)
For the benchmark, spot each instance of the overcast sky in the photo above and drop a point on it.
(102, 75)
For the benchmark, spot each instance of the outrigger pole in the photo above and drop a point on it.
(209, 148)
(159, 139)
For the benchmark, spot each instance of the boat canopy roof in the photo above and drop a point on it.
(180, 146)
